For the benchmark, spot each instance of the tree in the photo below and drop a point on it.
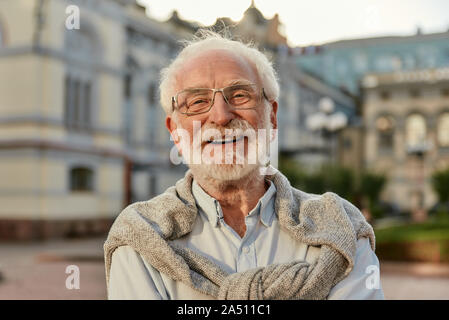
(440, 184)
(371, 185)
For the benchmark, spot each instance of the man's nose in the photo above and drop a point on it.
(220, 113)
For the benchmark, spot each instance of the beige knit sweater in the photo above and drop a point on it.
(324, 220)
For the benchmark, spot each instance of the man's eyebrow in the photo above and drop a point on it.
(230, 83)
(238, 81)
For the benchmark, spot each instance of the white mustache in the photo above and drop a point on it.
(236, 127)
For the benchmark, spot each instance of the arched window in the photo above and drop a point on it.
(443, 130)
(416, 130)
(385, 129)
(82, 43)
(81, 179)
(132, 67)
(82, 48)
(130, 80)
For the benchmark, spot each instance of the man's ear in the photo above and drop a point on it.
(171, 126)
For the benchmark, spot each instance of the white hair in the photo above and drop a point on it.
(206, 40)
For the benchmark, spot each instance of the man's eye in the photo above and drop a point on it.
(240, 96)
(198, 101)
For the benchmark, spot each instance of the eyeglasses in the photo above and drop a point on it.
(200, 100)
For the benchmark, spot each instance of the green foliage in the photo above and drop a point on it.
(371, 185)
(327, 178)
(337, 179)
(431, 230)
(440, 184)
(442, 215)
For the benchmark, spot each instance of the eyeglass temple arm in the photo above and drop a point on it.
(264, 94)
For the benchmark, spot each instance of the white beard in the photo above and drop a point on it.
(222, 173)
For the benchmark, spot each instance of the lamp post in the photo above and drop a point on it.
(327, 122)
(419, 150)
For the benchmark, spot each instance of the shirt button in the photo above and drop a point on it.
(245, 250)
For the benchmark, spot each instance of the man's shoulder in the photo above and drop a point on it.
(159, 200)
(327, 199)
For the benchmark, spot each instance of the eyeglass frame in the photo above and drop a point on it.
(214, 91)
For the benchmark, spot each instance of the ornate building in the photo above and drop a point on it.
(406, 117)
(81, 131)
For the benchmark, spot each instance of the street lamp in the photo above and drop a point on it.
(419, 150)
(327, 122)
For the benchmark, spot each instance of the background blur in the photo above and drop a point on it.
(364, 112)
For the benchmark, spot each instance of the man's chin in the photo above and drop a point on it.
(223, 172)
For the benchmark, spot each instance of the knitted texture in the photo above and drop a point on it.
(327, 220)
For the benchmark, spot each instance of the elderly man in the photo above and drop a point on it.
(230, 229)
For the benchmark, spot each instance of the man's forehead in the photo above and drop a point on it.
(216, 62)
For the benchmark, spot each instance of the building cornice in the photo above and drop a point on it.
(54, 145)
(62, 56)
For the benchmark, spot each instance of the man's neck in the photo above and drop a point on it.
(236, 198)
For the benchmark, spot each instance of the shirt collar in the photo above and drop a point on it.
(206, 203)
(211, 207)
(267, 205)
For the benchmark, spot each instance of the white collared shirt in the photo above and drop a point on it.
(264, 243)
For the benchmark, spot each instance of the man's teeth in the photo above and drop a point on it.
(225, 141)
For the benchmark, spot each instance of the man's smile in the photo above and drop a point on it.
(225, 141)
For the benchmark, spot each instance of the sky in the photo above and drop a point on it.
(319, 21)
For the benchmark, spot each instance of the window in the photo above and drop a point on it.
(385, 95)
(1, 35)
(443, 130)
(86, 104)
(152, 115)
(77, 99)
(152, 95)
(416, 130)
(83, 51)
(152, 185)
(127, 86)
(385, 129)
(132, 68)
(81, 179)
(445, 92)
(415, 93)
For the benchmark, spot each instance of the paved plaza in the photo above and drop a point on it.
(37, 270)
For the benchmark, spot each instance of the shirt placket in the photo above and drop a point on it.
(246, 253)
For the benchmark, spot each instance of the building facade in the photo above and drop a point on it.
(406, 118)
(81, 130)
(343, 64)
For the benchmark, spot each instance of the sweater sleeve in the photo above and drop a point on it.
(132, 278)
(363, 282)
